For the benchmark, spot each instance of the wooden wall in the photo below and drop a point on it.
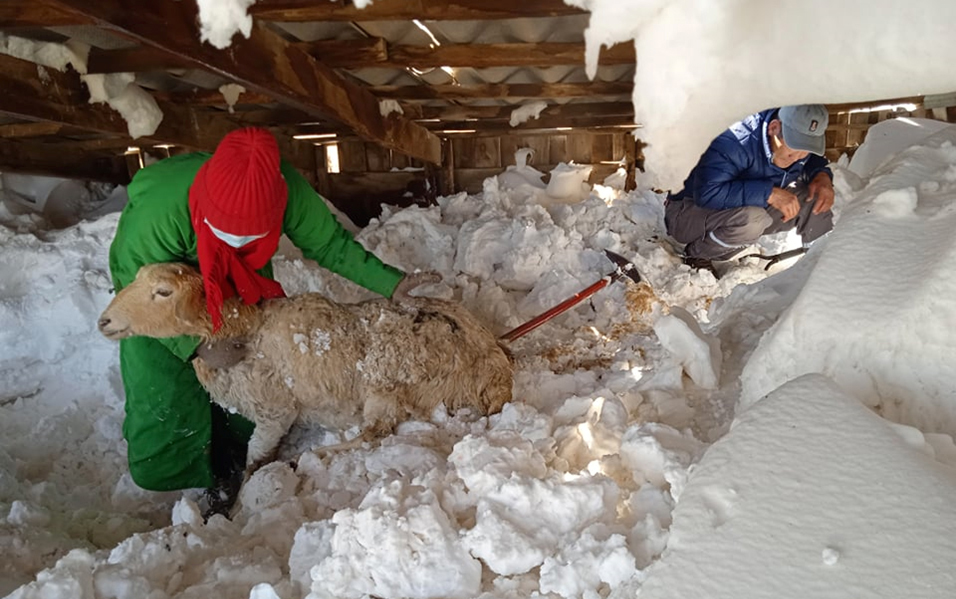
(371, 175)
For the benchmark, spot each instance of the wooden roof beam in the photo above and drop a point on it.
(62, 160)
(504, 90)
(375, 52)
(404, 10)
(264, 63)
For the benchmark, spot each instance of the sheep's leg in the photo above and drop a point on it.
(264, 444)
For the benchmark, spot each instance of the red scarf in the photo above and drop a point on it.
(227, 271)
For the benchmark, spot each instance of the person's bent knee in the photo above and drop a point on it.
(752, 221)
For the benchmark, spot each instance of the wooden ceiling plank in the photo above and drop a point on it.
(404, 10)
(263, 63)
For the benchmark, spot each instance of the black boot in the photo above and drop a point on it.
(228, 456)
(701, 264)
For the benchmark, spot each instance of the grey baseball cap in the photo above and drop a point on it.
(805, 126)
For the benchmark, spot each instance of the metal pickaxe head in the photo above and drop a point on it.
(622, 267)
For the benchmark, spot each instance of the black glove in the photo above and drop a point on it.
(223, 353)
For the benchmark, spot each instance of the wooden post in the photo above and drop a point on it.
(446, 181)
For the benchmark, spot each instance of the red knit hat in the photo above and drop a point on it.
(240, 190)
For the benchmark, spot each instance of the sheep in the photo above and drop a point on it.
(312, 360)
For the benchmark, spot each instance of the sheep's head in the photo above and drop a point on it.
(165, 300)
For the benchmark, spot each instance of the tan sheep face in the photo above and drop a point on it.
(161, 302)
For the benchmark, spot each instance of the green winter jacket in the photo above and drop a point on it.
(155, 227)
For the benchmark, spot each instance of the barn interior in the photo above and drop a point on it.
(391, 103)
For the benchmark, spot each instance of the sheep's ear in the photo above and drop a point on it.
(191, 304)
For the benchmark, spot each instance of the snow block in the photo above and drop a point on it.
(811, 495)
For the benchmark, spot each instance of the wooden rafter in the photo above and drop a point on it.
(503, 90)
(383, 10)
(264, 63)
(61, 98)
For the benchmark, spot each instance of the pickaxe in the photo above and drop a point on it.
(623, 268)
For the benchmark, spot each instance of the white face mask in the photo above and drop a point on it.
(236, 241)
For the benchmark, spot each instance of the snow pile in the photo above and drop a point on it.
(219, 20)
(720, 74)
(804, 498)
(571, 490)
(874, 313)
(568, 480)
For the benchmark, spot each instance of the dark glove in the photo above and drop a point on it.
(223, 353)
(411, 281)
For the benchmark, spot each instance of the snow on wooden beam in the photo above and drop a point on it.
(61, 98)
(404, 10)
(264, 63)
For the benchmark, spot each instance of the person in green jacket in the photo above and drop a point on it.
(224, 212)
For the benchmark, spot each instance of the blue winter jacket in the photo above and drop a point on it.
(736, 170)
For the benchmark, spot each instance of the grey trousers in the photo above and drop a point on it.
(719, 234)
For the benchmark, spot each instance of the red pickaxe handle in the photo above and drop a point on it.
(571, 301)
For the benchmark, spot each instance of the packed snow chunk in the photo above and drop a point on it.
(660, 455)
(230, 93)
(483, 463)
(398, 544)
(795, 502)
(698, 353)
(581, 567)
(876, 311)
(49, 54)
(71, 577)
(137, 107)
(524, 520)
(521, 174)
(528, 111)
(888, 138)
(187, 512)
(221, 19)
(569, 182)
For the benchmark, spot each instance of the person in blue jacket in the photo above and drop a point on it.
(763, 175)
